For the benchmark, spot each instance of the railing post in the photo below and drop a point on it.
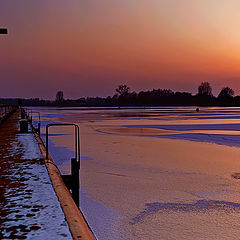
(75, 180)
(47, 142)
(38, 129)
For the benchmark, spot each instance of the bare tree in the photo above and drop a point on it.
(205, 89)
(59, 97)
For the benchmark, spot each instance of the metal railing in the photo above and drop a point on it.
(71, 181)
(77, 142)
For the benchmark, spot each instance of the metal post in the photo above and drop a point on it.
(23, 126)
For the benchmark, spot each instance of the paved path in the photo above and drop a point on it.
(29, 208)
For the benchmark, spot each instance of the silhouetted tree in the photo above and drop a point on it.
(59, 97)
(132, 97)
(205, 89)
(225, 97)
(204, 96)
(183, 98)
(226, 92)
(237, 101)
(123, 90)
(144, 98)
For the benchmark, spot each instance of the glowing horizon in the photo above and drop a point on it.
(89, 47)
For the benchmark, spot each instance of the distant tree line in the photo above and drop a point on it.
(156, 97)
(166, 97)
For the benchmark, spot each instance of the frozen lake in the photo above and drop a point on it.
(154, 173)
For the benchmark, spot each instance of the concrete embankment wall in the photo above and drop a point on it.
(78, 226)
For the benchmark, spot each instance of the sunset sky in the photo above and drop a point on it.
(89, 47)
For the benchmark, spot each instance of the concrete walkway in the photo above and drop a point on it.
(29, 208)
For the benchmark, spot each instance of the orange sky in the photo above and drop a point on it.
(89, 47)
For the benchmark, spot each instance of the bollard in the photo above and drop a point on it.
(22, 113)
(23, 126)
(3, 31)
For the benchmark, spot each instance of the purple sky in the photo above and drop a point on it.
(89, 47)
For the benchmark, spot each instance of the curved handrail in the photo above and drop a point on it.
(77, 141)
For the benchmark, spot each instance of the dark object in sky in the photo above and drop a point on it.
(3, 31)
